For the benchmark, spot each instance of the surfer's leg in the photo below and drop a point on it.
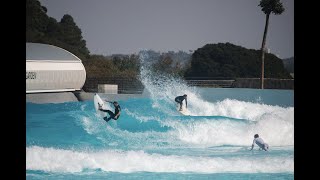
(106, 119)
(103, 110)
(111, 114)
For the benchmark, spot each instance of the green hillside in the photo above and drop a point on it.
(232, 61)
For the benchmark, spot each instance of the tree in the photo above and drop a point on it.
(268, 7)
(36, 20)
(40, 28)
(71, 35)
(164, 64)
(226, 60)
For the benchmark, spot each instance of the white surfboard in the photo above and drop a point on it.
(97, 100)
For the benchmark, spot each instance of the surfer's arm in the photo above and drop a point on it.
(100, 108)
(252, 144)
(186, 103)
(251, 147)
(117, 115)
(118, 108)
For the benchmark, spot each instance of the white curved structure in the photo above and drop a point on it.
(52, 69)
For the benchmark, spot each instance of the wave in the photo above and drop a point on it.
(137, 128)
(60, 160)
(207, 132)
(273, 123)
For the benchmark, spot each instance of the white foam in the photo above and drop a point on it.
(88, 125)
(240, 109)
(207, 133)
(59, 160)
(141, 118)
(164, 88)
(83, 106)
(273, 123)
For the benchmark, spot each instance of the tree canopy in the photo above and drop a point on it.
(232, 61)
(40, 28)
(271, 6)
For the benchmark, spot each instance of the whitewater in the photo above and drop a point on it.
(151, 140)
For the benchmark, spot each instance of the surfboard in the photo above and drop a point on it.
(98, 100)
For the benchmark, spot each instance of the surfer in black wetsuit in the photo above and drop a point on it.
(112, 115)
(179, 100)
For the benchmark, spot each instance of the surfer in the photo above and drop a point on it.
(112, 115)
(179, 100)
(260, 143)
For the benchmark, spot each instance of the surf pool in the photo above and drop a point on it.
(151, 140)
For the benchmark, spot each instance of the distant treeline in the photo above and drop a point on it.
(229, 60)
(212, 60)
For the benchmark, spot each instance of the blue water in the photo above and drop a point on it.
(152, 140)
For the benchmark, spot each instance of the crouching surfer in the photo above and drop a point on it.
(112, 115)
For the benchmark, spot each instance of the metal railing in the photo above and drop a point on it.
(135, 86)
(211, 83)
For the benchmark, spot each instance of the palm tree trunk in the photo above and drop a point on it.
(263, 49)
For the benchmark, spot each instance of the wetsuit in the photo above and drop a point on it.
(179, 100)
(260, 143)
(111, 114)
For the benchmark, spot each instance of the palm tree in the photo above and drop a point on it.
(268, 7)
